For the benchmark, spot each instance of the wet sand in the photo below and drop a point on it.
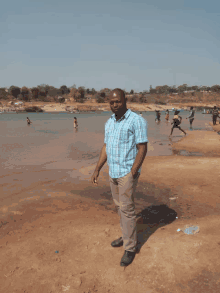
(79, 221)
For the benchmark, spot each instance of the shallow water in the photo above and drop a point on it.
(51, 140)
(50, 150)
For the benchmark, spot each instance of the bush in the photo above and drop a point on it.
(3, 94)
(33, 109)
(160, 103)
(134, 99)
(142, 99)
(100, 99)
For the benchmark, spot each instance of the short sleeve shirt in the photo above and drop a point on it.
(121, 138)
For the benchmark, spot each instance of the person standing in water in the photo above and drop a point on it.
(28, 121)
(215, 115)
(75, 123)
(191, 116)
(157, 116)
(141, 114)
(176, 122)
(167, 117)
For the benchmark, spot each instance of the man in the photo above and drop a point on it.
(176, 122)
(28, 121)
(167, 117)
(125, 148)
(191, 117)
(157, 116)
(214, 115)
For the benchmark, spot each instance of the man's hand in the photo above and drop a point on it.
(134, 175)
(95, 177)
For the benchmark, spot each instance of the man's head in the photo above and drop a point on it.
(191, 108)
(117, 101)
(214, 107)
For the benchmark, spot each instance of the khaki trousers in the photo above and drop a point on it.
(123, 195)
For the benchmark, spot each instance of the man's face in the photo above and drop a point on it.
(117, 102)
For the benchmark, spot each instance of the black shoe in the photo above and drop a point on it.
(127, 258)
(117, 243)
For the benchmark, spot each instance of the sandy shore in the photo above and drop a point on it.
(80, 228)
(91, 106)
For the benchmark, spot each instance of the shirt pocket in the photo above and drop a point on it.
(126, 136)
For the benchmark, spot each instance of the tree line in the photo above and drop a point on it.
(45, 92)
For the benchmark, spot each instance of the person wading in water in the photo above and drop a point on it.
(215, 115)
(28, 121)
(191, 117)
(176, 122)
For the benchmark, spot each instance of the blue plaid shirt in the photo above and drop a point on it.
(121, 138)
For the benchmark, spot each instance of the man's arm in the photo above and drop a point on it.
(142, 151)
(101, 162)
(102, 159)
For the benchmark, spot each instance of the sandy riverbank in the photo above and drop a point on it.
(81, 230)
(91, 106)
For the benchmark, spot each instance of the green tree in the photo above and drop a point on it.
(102, 94)
(3, 94)
(35, 93)
(215, 88)
(100, 99)
(25, 93)
(81, 91)
(64, 89)
(93, 91)
(14, 91)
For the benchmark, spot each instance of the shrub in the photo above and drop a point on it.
(33, 109)
(100, 99)
(134, 99)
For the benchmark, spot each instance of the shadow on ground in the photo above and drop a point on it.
(152, 218)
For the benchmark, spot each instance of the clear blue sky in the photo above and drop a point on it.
(130, 44)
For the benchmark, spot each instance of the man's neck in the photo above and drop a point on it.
(118, 117)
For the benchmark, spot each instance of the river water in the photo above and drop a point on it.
(50, 150)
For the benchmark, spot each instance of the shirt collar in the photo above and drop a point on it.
(125, 116)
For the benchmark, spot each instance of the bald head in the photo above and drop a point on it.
(117, 101)
(119, 94)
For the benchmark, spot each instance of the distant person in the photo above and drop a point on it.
(124, 149)
(28, 121)
(191, 116)
(167, 117)
(75, 123)
(176, 122)
(215, 115)
(141, 114)
(157, 115)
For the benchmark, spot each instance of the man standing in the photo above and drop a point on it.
(214, 115)
(157, 116)
(125, 148)
(191, 116)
